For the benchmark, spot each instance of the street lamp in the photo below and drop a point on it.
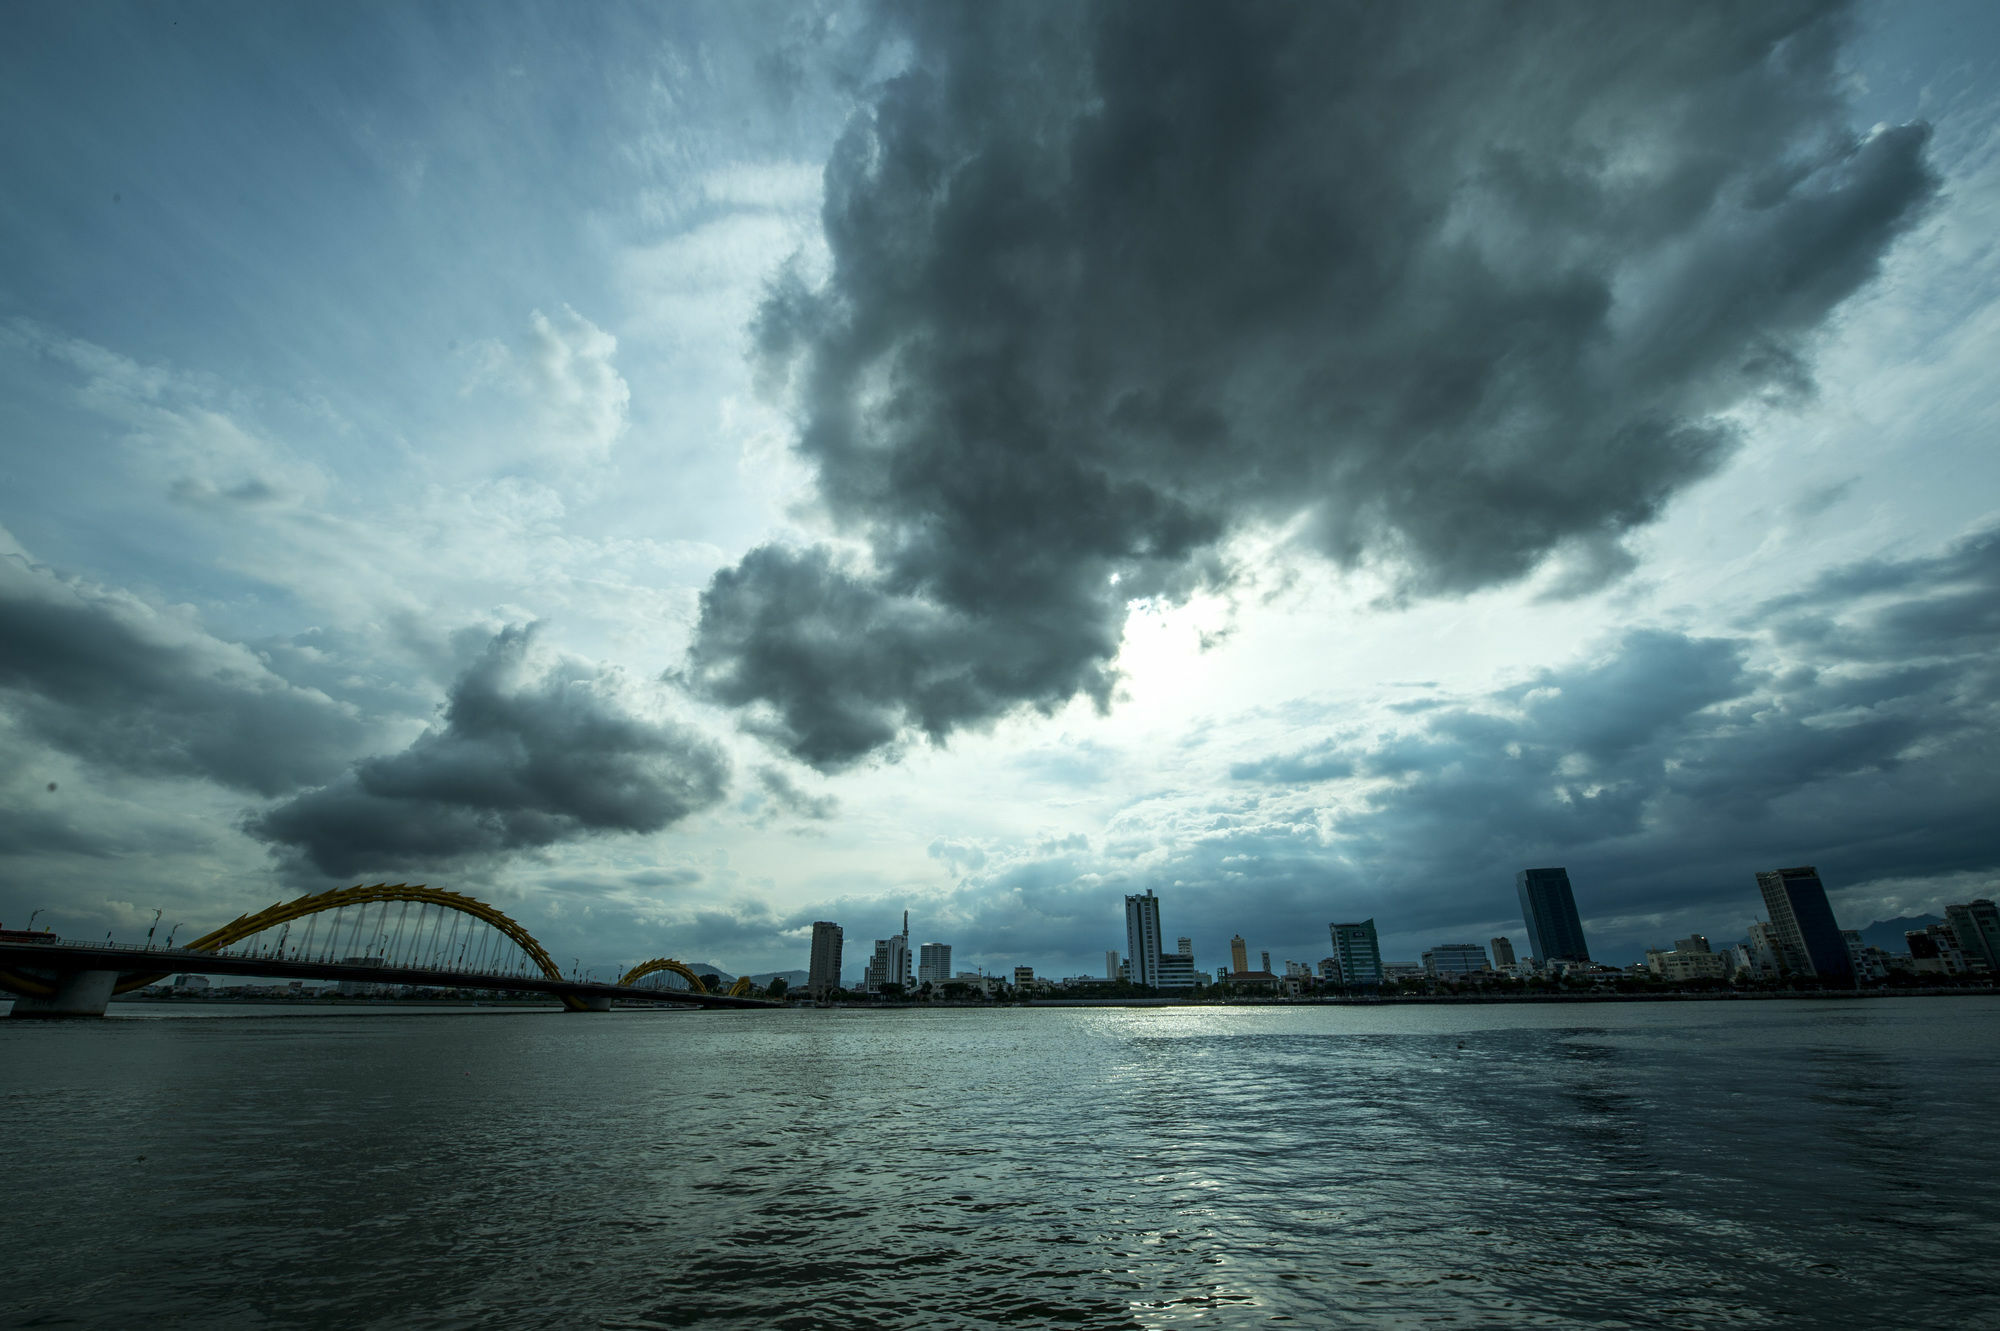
(156, 924)
(31, 918)
(171, 932)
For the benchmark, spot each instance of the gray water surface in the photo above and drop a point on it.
(1693, 1164)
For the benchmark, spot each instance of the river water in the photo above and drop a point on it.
(1692, 1164)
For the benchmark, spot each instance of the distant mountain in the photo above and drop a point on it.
(1888, 934)
(762, 979)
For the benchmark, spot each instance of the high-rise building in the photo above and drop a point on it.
(1809, 941)
(934, 963)
(1764, 948)
(1503, 952)
(1185, 946)
(1111, 964)
(1024, 977)
(1549, 908)
(1266, 967)
(1142, 938)
(1176, 971)
(823, 973)
(1976, 925)
(1455, 959)
(891, 962)
(1239, 954)
(1357, 953)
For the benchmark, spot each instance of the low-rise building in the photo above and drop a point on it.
(1679, 967)
(1870, 963)
(1935, 951)
(1448, 960)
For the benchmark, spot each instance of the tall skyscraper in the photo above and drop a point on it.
(1265, 964)
(823, 974)
(1142, 939)
(1357, 953)
(1503, 952)
(1809, 941)
(934, 963)
(1549, 908)
(1185, 946)
(1111, 964)
(891, 962)
(1239, 954)
(1976, 925)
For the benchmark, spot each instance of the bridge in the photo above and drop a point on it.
(387, 933)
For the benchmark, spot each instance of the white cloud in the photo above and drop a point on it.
(563, 371)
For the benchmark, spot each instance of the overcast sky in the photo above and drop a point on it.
(681, 472)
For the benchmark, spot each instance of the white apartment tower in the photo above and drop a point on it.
(891, 962)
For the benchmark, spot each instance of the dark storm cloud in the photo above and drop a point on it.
(107, 678)
(519, 760)
(1454, 288)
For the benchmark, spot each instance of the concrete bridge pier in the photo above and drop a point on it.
(78, 994)
(596, 1003)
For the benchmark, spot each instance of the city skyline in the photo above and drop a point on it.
(1795, 899)
(519, 454)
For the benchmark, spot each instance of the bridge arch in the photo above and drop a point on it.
(246, 926)
(658, 964)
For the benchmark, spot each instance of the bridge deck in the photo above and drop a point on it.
(133, 960)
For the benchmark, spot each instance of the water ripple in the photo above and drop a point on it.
(1698, 1165)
